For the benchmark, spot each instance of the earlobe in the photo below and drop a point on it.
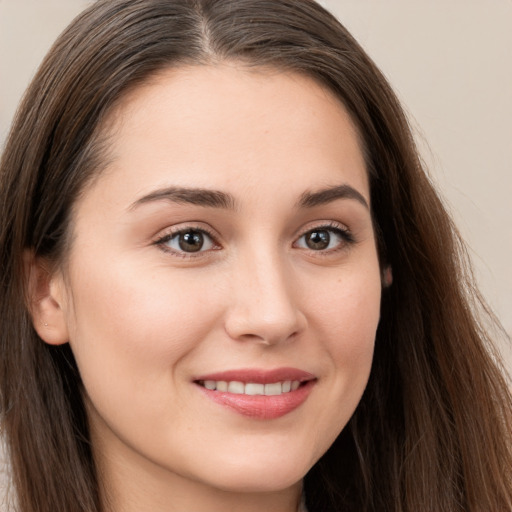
(45, 297)
(387, 277)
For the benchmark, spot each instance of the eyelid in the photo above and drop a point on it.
(322, 224)
(167, 234)
(340, 229)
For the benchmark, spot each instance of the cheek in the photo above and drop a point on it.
(135, 325)
(351, 309)
(349, 317)
(358, 317)
(344, 320)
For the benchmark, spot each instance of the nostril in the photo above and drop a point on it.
(264, 331)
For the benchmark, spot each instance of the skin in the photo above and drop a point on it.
(144, 318)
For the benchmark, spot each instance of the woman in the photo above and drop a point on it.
(227, 282)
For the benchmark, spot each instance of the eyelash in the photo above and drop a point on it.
(347, 238)
(162, 241)
(338, 229)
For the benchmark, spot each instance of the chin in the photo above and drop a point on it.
(272, 473)
(258, 481)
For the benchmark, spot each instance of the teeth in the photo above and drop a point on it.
(236, 387)
(252, 388)
(221, 385)
(210, 384)
(273, 389)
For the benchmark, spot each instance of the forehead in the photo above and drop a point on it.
(199, 125)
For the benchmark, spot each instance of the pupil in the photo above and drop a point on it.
(192, 241)
(318, 240)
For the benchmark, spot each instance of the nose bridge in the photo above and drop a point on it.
(264, 304)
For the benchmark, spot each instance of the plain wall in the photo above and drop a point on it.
(450, 63)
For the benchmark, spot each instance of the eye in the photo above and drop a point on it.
(187, 241)
(324, 238)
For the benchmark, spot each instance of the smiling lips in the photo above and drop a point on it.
(258, 393)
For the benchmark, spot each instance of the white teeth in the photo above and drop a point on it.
(252, 388)
(221, 385)
(275, 388)
(210, 384)
(236, 387)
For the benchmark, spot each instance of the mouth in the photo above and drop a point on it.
(252, 388)
(258, 394)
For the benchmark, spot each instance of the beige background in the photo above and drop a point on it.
(450, 62)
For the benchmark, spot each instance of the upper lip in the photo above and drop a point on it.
(258, 375)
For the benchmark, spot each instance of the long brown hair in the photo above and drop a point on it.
(432, 431)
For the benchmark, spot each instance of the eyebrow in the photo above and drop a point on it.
(197, 196)
(218, 199)
(327, 195)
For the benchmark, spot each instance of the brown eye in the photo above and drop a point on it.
(324, 238)
(188, 241)
(191, 241)
(317, 240)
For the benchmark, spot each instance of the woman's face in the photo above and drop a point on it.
(226, 250)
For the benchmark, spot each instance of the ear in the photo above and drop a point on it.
(45, 296)
(387, 276)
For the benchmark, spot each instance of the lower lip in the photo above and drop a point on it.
(261, 406)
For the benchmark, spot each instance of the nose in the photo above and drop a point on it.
(264, 302)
